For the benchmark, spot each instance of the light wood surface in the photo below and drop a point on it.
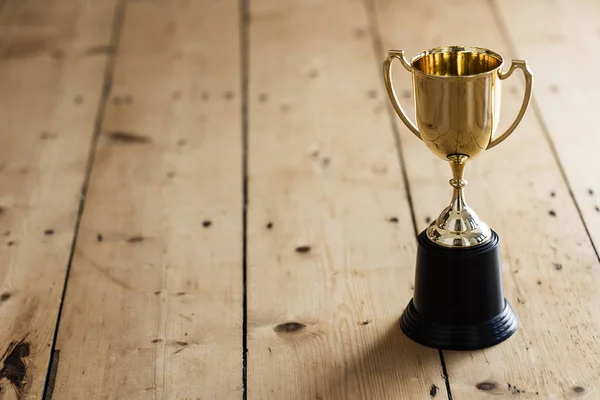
(564, 51)
(549, 265)
(153, 308)
(329, 271)
(50, 84)
(250, 201)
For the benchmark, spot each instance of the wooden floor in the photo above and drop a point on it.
(211, 199)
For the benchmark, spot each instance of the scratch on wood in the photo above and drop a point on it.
(135, 239)
(106, 272)
(183, 345)
(52, 375)
(128, 137)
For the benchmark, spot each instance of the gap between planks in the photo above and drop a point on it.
(117, 25)
(502, 27)
(244, 60)
(375, 33)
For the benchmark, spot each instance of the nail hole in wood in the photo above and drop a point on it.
(433, 391)
(289, 327)
(557, 266)
(302, 249)
(485, 386)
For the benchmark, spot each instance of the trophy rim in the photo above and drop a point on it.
(455, 49)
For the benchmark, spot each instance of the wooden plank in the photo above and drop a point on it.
(567, 90)
(330, 241)
(52, 63)
(154, 302)
(550, 269)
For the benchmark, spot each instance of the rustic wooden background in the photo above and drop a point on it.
(211, 199)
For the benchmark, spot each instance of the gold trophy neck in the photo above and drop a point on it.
(458, 225)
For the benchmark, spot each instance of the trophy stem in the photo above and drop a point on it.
(458, 225)
(457, 163)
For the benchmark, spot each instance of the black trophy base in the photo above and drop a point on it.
(458, 302)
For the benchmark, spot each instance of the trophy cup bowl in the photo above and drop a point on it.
(458, 302)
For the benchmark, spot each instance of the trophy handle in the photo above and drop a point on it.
(528, 87)
(389, 86)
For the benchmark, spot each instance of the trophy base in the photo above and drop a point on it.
(458, 302)
(458, 337)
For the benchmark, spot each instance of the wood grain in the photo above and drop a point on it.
(49, 92)
(563, 50)
(154, 301)
(330, 240)
(550, 269)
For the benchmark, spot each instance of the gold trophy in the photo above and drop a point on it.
(458, 302)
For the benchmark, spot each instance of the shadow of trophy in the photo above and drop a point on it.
(380, 369)
(458, 301)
